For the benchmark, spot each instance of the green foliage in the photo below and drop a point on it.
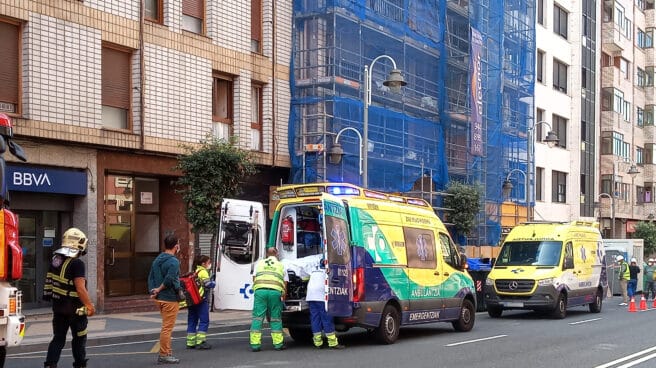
(463, 200)
(646, 231)
(211, 172)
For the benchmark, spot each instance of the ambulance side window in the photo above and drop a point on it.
(449, 251)
(569, 256)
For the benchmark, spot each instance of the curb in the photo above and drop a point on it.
(116, 337)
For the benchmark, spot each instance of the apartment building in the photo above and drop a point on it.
(627, 116)
(104, 92)
(566, 99)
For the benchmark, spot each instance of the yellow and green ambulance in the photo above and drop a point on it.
(390, 261)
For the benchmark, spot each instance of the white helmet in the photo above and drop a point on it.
(651, 260)
(619, 258)
(74, 243)
(633, 260)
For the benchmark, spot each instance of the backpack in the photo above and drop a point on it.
(190, 284)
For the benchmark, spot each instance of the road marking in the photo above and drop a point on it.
(585, 321)
(643, 359)
(155, 348)
(475, 340)
(628, 357)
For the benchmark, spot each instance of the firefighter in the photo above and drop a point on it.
(270, 287)
(65, 285)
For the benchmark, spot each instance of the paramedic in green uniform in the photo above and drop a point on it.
(270, 286)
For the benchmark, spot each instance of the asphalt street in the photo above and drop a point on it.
(613, 338)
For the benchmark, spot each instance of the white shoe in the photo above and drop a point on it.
(623, 304)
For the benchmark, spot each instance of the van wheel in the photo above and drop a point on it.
(595, 307)
(301, 335)
(388, 331)
(467, 317)
(560, 311)
(494, 312)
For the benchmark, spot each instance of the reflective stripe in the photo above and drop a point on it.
(261, 283)
(269, 274)
(57, 285)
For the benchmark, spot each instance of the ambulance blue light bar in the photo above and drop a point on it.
(340, 190)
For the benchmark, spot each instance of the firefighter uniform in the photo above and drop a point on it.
(269, 286)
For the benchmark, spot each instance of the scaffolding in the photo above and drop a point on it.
(426, 131)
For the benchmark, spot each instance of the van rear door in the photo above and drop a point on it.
(337, 251)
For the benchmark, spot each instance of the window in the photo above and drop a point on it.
(640, 4)
(256, 117)
(540, 4)
(649, 76)
(154, 10)
(624, 68)
(639, 156)
(193, 15)
(612, 143)
(9, 67)
(539, 183)
(559, 76)
(649, 115)
(641, 77)
(607, 184)
(640, 117)
(559, 126)
(649, 153)
(648, 42)
(560, 21)
(539, 72)
(256, 25)
(640, 194)
(606, 60)
(420, 248)
(116, 88)
(558, 186)
(649, 4)
(649, 190)
(222, 105)
(613, 100)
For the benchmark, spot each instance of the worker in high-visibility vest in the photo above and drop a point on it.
(270, 287)
(623, 276)
(198, 316)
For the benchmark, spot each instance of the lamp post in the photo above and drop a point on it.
(394, 82)
(336, 152)
(507, 185)
(551, 140)
(612, 212)
(633, 171)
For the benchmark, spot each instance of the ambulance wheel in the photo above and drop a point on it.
(388, 331)
(494, 312)
(467, 317)
(560, 311)
(301, 335)
(595, 307)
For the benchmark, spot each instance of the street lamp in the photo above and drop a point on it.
(336, 152)
(551, 140)
(508, 186)
(394, 82)
(633, 171)
(612, 212)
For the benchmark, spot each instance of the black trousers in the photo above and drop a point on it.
(61, 323)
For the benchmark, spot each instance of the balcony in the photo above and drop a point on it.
(613, 77)
(613, 40)
(611, 121)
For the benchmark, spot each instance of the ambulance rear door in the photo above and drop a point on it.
(337, 252)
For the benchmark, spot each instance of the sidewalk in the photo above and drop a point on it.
(124, 327)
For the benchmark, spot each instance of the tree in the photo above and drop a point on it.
(646, 231)
(210, 172)
(463, 200)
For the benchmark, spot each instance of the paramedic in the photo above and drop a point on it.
(270, 287)
(198, 318)
(319, 318)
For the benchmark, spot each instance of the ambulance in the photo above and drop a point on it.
(548, 266)
(389, 260)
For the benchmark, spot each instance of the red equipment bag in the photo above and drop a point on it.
(191, 288)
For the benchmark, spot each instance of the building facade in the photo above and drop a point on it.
(566, 100)
(104, 92)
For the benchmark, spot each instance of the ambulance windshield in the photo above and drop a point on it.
(530, 253)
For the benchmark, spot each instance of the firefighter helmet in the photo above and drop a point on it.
(74, 243)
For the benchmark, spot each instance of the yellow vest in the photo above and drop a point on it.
(203, 276)
(269, 274)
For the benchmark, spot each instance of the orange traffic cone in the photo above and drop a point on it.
(654, 305)
(632, 307)
(643, 303)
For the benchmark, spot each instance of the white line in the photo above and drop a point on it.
(131, 343)
(585, 321)
(476, 340)
(620, 360)
(643, 359)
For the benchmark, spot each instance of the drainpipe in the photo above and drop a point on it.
(273, 84)
(142, 77)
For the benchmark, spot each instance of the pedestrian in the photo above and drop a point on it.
(649, 269)
(65, 286)
(319, 318)
(270, 287)
(164, 286)
(623, 276)
(198, 316)
(634, 270)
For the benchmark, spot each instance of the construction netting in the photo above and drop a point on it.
(453, 55)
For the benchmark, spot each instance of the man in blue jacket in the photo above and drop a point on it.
(164, 285)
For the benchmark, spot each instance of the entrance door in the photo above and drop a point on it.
(39, 236)
(131, 233)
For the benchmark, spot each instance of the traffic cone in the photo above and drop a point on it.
(632, 307)
(643, 303)
(654, 305)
